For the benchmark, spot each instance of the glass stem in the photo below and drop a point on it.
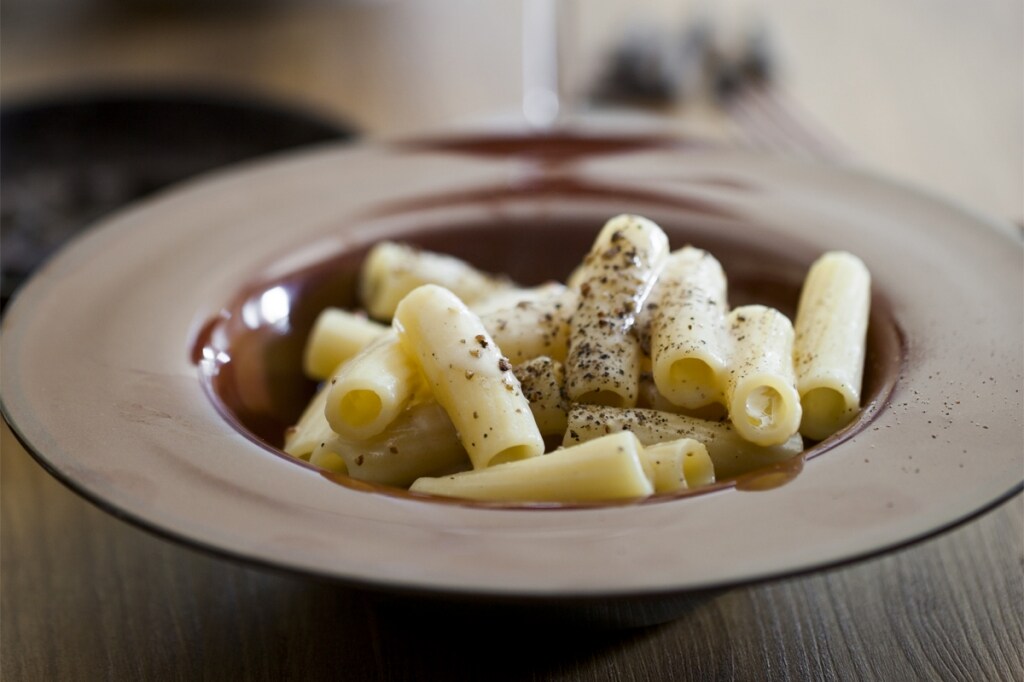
(543, 89)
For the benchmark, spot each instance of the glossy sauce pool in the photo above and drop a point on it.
(250, 356)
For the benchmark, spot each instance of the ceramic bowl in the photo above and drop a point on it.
(152, 364)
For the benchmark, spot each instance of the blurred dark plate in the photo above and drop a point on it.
(69, 158)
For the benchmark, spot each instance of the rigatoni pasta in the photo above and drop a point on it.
(608, 468)
(468, 376)
(393, 270)
(689, 341)
(830, 343)
(761, 385)
(337, 335)
(532, 326)
(312, 428)
(543, 382)
(731, 454)
(603, 364)
(372, 389)
(421, 442)
(678, 464)
(457, 396)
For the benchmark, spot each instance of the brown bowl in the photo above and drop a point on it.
(101, 380)
(255, 375)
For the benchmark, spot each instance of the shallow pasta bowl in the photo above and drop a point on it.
(152, 365)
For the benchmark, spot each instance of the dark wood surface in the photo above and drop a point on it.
(86, 596)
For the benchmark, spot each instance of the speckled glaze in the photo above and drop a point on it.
(101, 382)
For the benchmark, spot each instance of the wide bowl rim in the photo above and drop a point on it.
(14, 411)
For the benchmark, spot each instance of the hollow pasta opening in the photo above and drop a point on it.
(360, 407)
(762, 406)
(825, 412)
(693, 381)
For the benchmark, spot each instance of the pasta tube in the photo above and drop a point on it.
(761, 388)
(392, 270)
(421, 442)
(326, 457)
(372, 389)
(534, 326)
(730, 453)
(337, 335)
(468, 375)
(831, 338)
(603, 469)
(312, 429)
(678, 465)
(650, 397)
(689, 340)
(509, 298)
(603, 365)
(543, 383)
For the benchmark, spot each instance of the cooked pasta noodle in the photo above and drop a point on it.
(393, 270)
(689, 341)
(830, 343)
(372, 389)
(337, 335)
(731, 454)
(637, 366)
(421, 442)
(608, 468)
(761, 387)
(468, 376)
(543, 383)
(603, 364)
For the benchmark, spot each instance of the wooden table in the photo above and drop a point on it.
(86, 596)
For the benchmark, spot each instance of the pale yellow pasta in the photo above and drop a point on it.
(543, 383)
(514, 295)
(421, 442)
(392, 270)
(603, 365)
(336, 336)
(652, 398)
(830, 344)
(372, 389)
(457, 396)
(689, 340)
(535, 326)
(731, 454)
(761, 386)
(312, 429)
(326, 457)
(649, 396)
(698, 468)
(468, 376)
(668, 464)
(604, 469)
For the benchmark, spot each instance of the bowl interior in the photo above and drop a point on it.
(251, 356)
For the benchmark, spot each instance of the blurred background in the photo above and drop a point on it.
(105, 101)
(931, 91)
